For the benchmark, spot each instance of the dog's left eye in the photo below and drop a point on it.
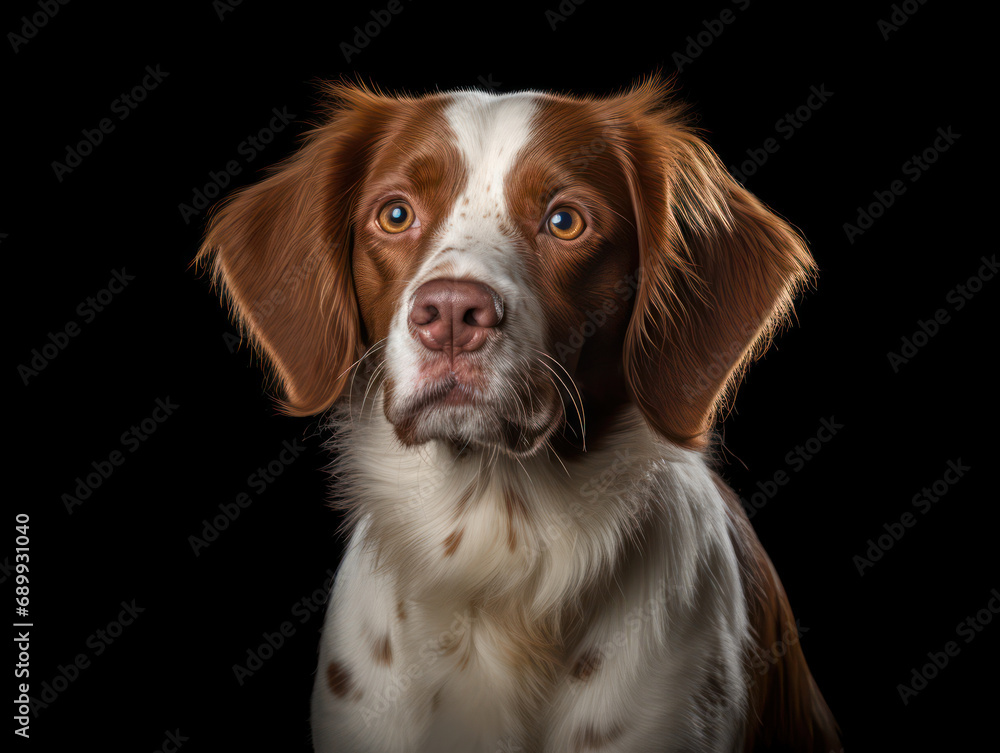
(396, 216)
(566, 224)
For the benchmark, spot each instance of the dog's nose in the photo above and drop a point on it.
(454, 315)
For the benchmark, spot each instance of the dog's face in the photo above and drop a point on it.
(502, 266)
(478, 250)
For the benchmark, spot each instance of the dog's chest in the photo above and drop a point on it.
(464, 622)
(490, 608)
(494, 678)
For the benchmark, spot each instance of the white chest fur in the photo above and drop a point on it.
(487, 604)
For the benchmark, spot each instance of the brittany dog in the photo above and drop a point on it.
(521, 313)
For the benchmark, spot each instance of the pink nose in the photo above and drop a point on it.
(454, 314)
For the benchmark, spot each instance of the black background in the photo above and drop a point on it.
(165, 335)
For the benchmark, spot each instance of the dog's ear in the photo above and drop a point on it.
(718, 269)
(281, 252)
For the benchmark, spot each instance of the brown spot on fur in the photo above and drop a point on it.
(401, 610)
(592, 738)
(711, 701)
(713, 692)
(587, 664)
(451, 543)
(338, 679)
(436, 701)
(382, 650)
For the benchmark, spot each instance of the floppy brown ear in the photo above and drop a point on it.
(281, 251)
(719, 271)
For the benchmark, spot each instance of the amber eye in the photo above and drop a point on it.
(396, 216)
(566, 224)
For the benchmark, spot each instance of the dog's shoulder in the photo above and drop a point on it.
(787, 711)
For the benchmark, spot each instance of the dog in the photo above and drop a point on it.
(521, 313)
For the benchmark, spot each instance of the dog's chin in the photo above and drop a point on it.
(467, 422)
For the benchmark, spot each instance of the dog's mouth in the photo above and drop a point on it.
(516, 417)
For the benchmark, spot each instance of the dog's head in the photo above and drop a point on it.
(507, 266)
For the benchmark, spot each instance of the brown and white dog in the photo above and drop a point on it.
(524, 311)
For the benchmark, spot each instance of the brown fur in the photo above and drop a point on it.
(284, 248)
(718, 269)
(382, 650)
(338, 679)
(452, 541)
(588, 663)
(787, 711)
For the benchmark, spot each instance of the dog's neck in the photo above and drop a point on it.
(484, 526)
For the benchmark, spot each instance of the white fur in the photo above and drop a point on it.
(642, 519)
(490, 131)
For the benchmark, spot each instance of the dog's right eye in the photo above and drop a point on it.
(396, 216)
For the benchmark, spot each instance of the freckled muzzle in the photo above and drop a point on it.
(475, 381)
